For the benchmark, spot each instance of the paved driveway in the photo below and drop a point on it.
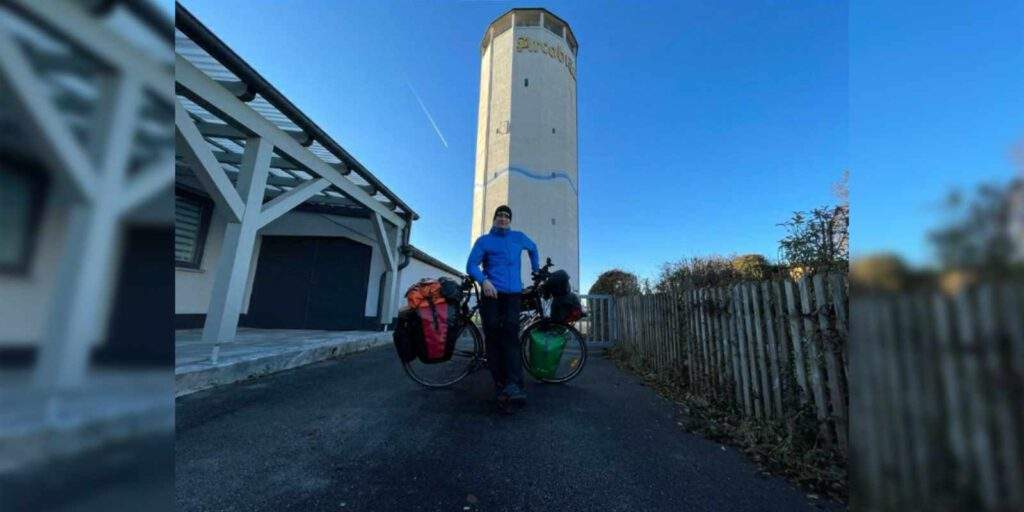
(355, 434)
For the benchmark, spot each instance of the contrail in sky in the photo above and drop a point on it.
(427, 113)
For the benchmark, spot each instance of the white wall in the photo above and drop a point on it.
(27, 299)
(417, 270)
(192, 287)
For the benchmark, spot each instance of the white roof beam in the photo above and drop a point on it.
(285, 202)
(237, 88)
(224, 131)
(235, 159)
(385, 246)
(62, 150)
(205, 91)
(197, 154)
(70, 20)
(147, 183)
(277, 181)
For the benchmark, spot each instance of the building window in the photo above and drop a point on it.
(21, 202)
(527, 18)
(504, 23)
(552, 222)
(553, 25)
(526, 82)
(191, 222)
(552, 130)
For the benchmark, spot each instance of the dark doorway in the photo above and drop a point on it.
(310, 283)
(141, 328)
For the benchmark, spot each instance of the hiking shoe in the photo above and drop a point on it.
(515, 393)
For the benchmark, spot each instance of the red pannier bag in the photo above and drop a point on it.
(437, 316)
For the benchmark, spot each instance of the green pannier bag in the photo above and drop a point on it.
(546, 346)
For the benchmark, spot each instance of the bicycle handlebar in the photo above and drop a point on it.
(543, 273)
(538, 276)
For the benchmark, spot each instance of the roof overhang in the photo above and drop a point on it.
(229, 102)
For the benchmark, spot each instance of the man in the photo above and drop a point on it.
(500, 251)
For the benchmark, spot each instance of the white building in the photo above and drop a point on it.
(271, 223)
(424, 266)
(86, 148)
(526, 153)
(329, 242)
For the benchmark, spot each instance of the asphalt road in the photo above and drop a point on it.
(356, 434)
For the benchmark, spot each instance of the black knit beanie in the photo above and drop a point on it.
(503, 208)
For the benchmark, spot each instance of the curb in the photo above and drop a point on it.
(71, 436)
(197, 377)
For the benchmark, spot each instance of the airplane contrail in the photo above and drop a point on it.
(427, 113)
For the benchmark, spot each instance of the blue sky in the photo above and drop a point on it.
(702, 125)
(936, 103)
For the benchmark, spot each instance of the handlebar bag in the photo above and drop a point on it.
(557, 285)
(450, 290)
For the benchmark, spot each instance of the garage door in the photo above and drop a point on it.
(310, 283)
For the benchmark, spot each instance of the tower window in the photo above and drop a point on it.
(526, 82)
(552, 130)
(552, 221)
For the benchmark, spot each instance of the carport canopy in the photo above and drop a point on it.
(258, 157)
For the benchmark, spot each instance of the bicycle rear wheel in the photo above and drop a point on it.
(574, 357)
(468, 352)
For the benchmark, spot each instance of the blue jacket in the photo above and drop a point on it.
(501, 253)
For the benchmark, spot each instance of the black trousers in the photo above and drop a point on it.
(501, 331)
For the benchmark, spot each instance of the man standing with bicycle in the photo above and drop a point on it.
(500, 251)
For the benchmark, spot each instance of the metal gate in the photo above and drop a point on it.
(600, 324)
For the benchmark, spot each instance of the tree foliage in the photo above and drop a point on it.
(616, 282)
(982, 232)
(819, 239)
(815, 240)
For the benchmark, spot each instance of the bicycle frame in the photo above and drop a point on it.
(530, 316)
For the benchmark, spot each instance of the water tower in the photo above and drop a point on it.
(526, 145)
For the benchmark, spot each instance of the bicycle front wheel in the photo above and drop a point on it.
(468, 352)
(574, 356)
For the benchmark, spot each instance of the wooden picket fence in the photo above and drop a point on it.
(939, 394)
(937, 380)
(599, 324)
(768, 348)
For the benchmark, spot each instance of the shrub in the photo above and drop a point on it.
(818, 239)
(883, 272)
(616, 282)
(751, 267)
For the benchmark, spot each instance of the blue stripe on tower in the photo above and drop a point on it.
(553, 175)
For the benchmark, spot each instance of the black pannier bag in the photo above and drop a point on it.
(566, 309)
(453, 295)
(450, 290)
(429, 330)
(557, 284)
(408, 335)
